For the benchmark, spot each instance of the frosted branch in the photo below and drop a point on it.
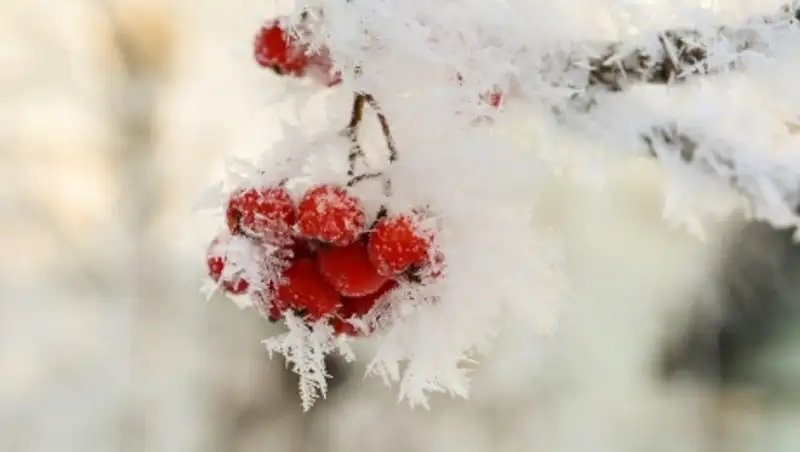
(586, 71)
(672, 56)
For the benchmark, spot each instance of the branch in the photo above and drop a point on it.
(676, 56)
(351, 131)
(772, 190)
(672, 56)
(385, 129)
(356, 151)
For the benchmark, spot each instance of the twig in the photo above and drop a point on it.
(387, 131)
(356, 151)
(757, 188)
(351, 131)
(362, 177)
(675, 56)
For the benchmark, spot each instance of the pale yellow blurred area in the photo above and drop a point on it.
(114, 117)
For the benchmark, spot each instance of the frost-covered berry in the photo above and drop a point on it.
(216, 262)
(396, 243)
(329, 214)
(281, 50)
(358, 307)
(349, 270)
(277, 49)
(302, 287)
(267, 213)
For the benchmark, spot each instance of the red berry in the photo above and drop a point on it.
(302, 287)
(395, 244)
(216, 267)
(278, 49)
(329, 214)
(349, 270)
(357, 307)
(266, 213)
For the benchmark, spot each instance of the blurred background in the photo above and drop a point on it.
(115, 115)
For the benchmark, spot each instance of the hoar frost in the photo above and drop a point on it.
(421, 136)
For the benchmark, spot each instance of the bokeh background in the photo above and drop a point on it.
(115, 115)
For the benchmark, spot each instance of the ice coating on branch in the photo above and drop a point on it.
(725, 143)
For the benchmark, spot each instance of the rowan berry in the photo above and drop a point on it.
(216, 262)
(396, 243)
(302, 287)
(329, 214)
(358, 307)
(267, 213)
(349, 270)
(278, 49)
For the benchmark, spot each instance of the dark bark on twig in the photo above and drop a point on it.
(356, 116)
(387, 131)
(682, 53)
(356, 151)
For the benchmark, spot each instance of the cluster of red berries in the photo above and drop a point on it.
(333, 265)
(280, 49)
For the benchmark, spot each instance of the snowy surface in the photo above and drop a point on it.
(106, 343)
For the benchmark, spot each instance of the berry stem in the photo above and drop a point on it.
(362, 177)
(356, 151)
(356, 116)
(387, 131)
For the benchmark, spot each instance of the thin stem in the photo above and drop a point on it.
(362, 177)
(351, 131)
(387, 131)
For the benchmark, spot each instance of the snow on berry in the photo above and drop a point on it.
(320, 68)
(349, 270)
(287, 52)
(219, 270)
(396, 243)
(355, 308)
(302, 287)
(298, 249)
(267, 213)
(329, 214)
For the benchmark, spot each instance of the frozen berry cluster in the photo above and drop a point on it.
(331, 264)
